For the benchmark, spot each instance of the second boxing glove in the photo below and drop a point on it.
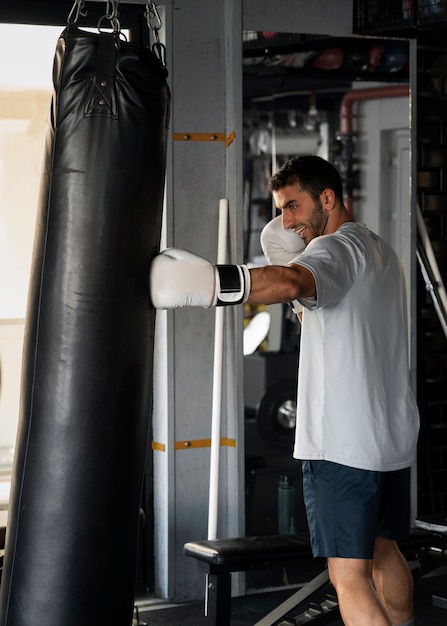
(179, 278)
(281, 247)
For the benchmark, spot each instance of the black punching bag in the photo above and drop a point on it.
(71, 545)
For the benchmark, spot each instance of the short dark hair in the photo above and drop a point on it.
(312, 173)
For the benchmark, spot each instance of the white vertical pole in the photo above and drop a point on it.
(213, 505)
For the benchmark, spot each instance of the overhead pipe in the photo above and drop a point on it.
(361, 95)
(375, 93)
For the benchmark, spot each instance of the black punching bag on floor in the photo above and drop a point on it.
(71, 546)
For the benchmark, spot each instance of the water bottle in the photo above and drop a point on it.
(286, 505)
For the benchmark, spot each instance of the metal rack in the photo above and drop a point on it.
(398, 17)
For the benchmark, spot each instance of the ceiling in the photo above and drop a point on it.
(284, 70)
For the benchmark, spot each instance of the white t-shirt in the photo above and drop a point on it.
(355, 404)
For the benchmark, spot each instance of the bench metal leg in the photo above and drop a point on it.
(300, 596)
(218, 599)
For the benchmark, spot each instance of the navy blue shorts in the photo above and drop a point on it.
(348, 508)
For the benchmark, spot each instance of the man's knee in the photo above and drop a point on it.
(386, 553)
(383, 546)
(347, 572)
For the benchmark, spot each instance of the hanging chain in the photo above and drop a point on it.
(154, 24)
(112, 15)
(78, 9)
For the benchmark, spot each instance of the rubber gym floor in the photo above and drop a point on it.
(249, 609)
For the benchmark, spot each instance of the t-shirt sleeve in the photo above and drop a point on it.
(335, 264)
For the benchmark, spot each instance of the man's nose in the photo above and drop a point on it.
(287, 218)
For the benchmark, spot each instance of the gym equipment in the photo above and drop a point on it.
(330, 59)
(179, 278)
(220, 557)
(431, 274)
(436, 524)
(286, 505)
(276, 415)
(218, 360)
(374, 56)
(393, 59)
(280, 246)
(356, 60)
(270, 391)
(71, 545)
(297, 59)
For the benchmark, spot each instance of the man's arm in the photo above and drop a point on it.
(179, 278)
(272, 284)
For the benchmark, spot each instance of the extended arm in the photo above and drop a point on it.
(179, 278)
(273, 284)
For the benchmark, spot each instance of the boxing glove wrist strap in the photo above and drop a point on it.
(232, 284)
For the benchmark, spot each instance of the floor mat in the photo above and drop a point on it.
(245, 611)
(249, 609)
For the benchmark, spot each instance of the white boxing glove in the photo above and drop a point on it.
(281, 246)
(179, 278)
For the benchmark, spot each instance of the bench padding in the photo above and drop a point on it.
(246, 553)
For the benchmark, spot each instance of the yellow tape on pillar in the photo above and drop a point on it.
(213, 137)
(193, 443)
(160, 447)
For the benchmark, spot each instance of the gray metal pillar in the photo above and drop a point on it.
(204, 59)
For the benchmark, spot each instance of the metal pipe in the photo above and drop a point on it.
(375, 93)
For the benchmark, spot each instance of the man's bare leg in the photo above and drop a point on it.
(357, 598)
(393, 580)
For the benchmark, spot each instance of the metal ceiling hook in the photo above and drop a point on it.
(111, 15)
(111, 10)
(152, 15)
(154, 24)
(78, 9)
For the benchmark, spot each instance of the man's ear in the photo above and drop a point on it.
(327, 199)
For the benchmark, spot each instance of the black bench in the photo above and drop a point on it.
(436, 524)
(218, 558)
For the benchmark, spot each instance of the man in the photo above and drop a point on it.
(357, 420)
